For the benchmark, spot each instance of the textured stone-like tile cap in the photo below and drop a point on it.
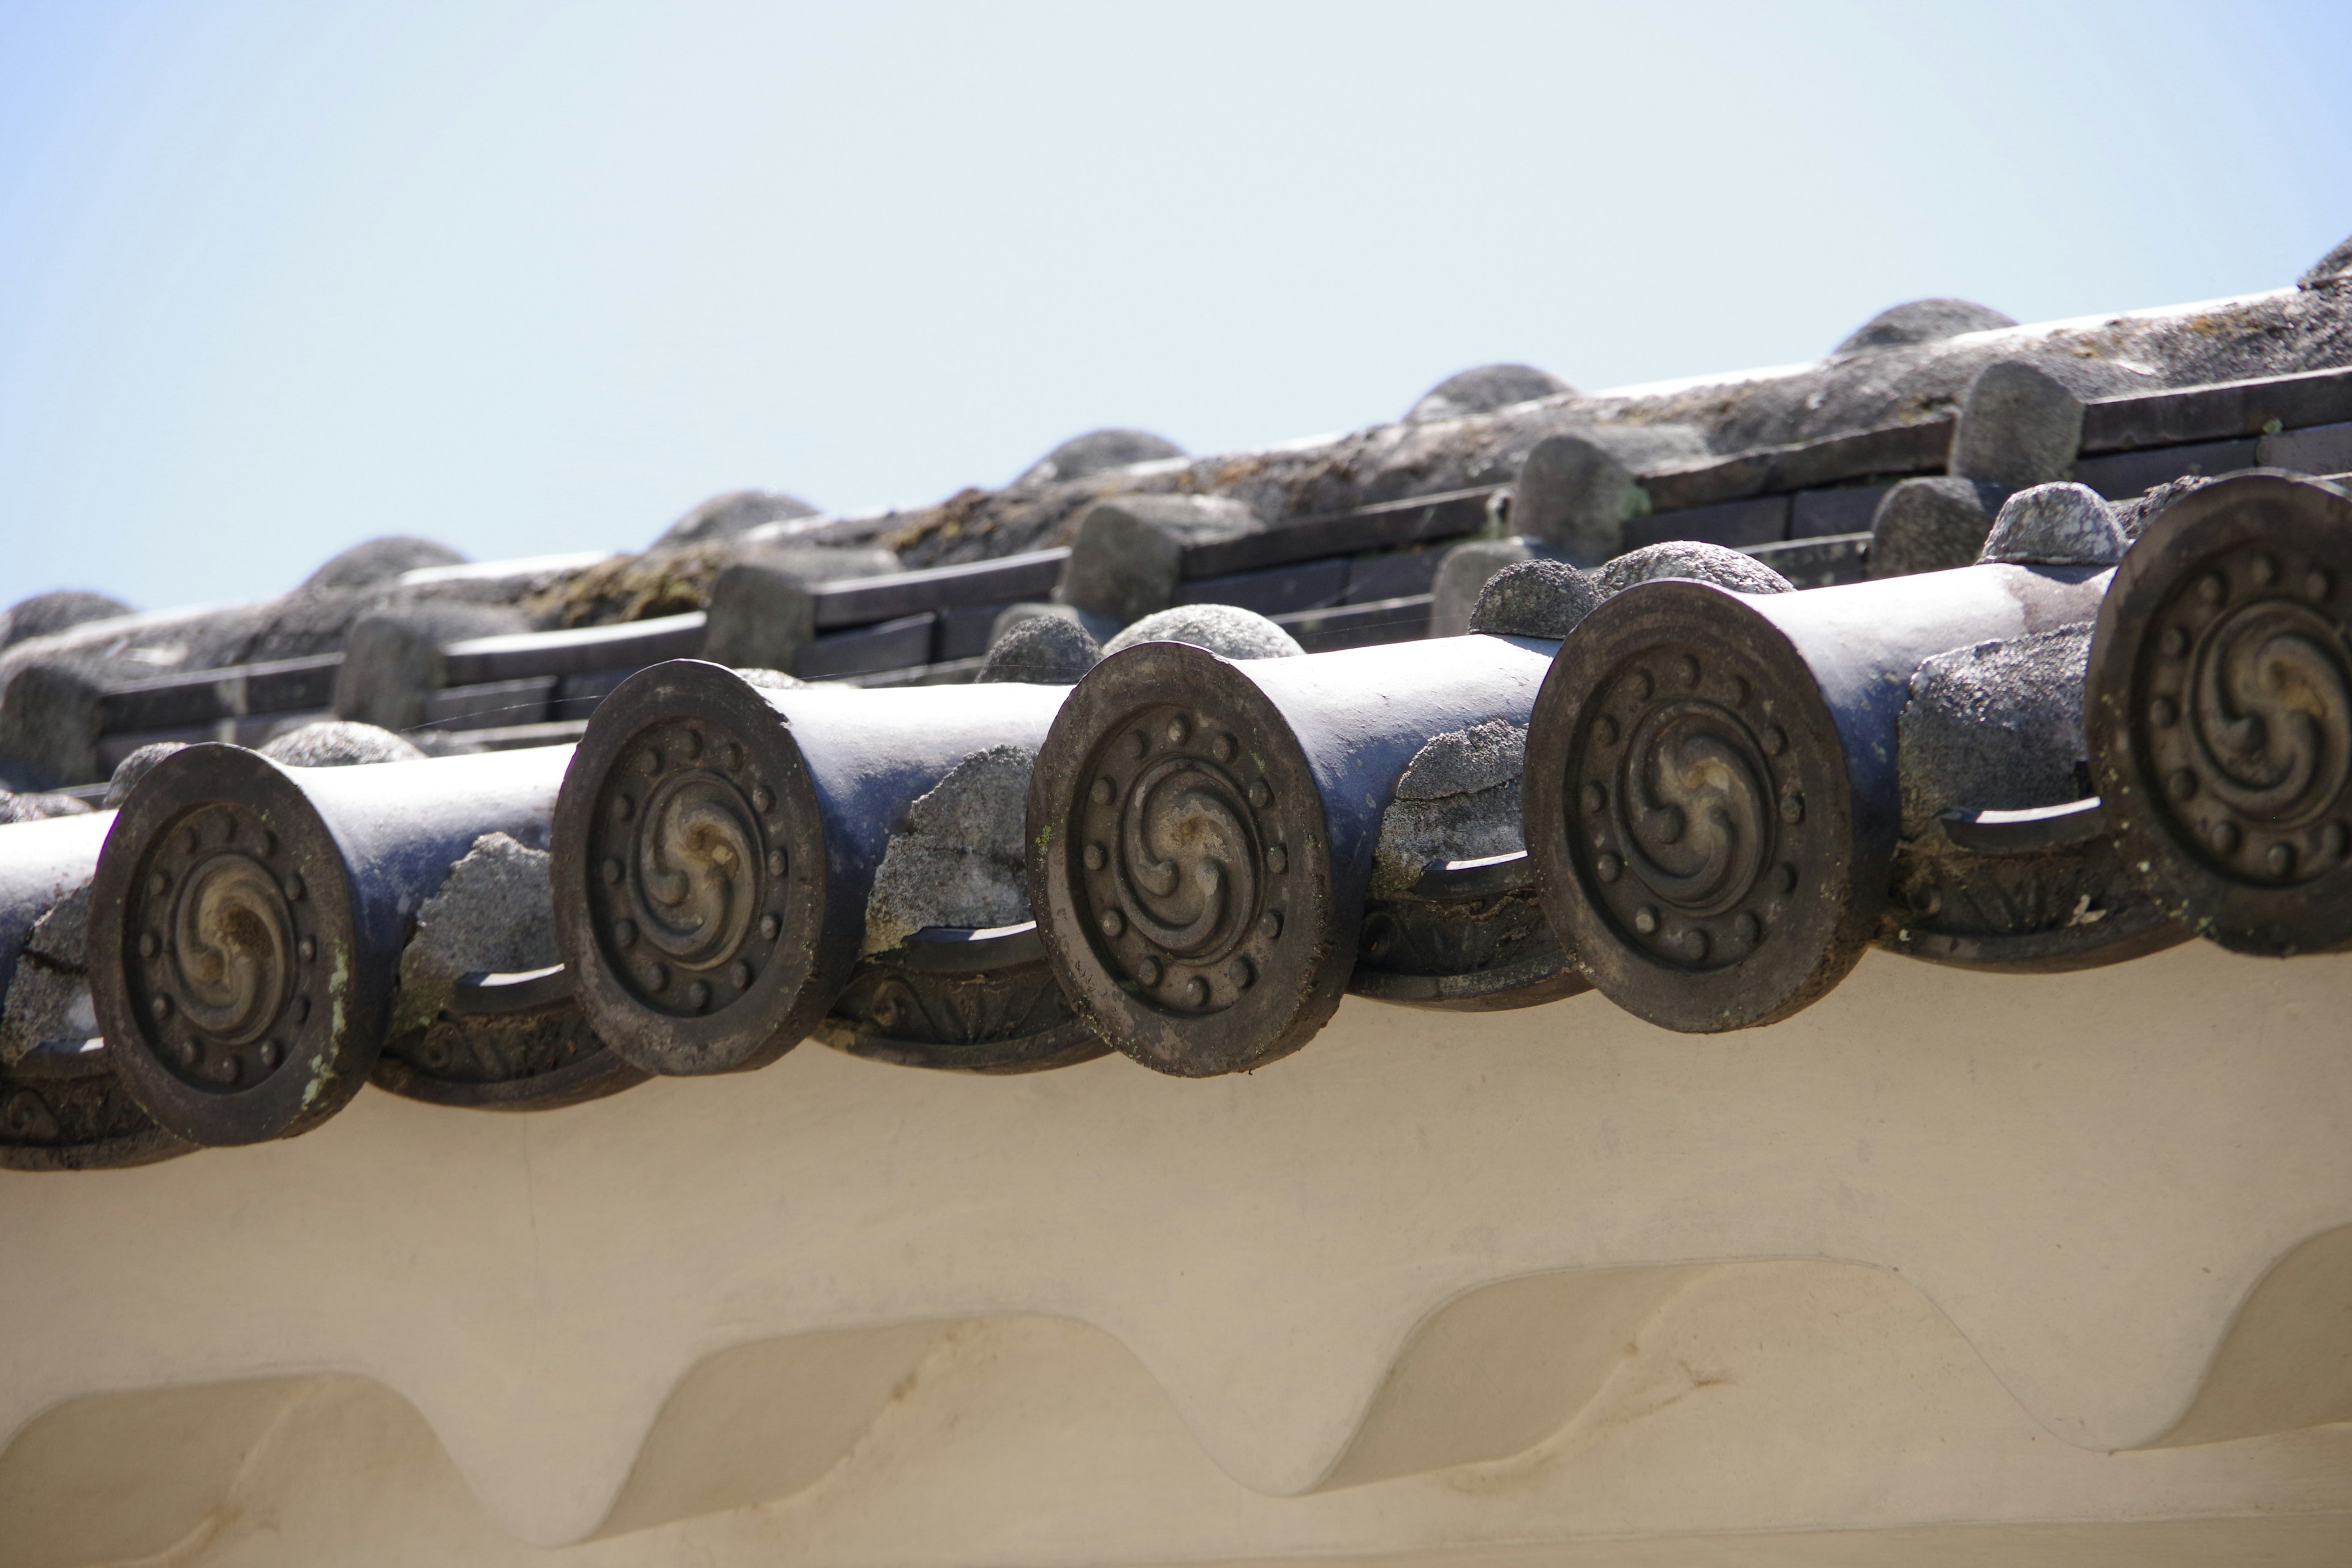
(1464, 761)
(392, 656)
(1685, 558)
(1931, 524)
(731, 515)
(338, 743)
(958, 862)
(1995, 726)
(1126, 554)
(1578, 490)
(132, 768)
(1044, 650)
(2056, 525)
(494, 913)
(1458, 799)
(48, 997)
(1921, 322)
(43, 614)
(1484, 389)
(1534, 599)
(1226, 630)
(1097, 451)
(2020, 424)
(1463, 574)
(375, 560)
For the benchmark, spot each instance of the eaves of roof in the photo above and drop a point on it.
(1695, 757)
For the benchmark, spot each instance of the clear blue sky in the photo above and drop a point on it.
(277, 274)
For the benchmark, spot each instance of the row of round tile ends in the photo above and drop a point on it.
(1712, 822)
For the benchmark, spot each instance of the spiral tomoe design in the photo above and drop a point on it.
(2242, 711)
(1684, 810)
(1183, 857)
(696, 868)
(232, 947)
(1188, 859)
(225, 946)
(1693, 807)
(687, 866)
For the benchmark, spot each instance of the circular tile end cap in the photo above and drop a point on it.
(1180, 866)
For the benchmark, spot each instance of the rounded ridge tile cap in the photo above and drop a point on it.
(1921, 322)
(338, 743)
(56, 611)
(731, 515)
(1226, 630)
(2056, 525)
(1534, 599)
(1735, 571)
(1098, 451)
(374, 561)
(1043, 650)
(1483, 390)
(134, 767)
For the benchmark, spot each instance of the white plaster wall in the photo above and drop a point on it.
(1439, 1285)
